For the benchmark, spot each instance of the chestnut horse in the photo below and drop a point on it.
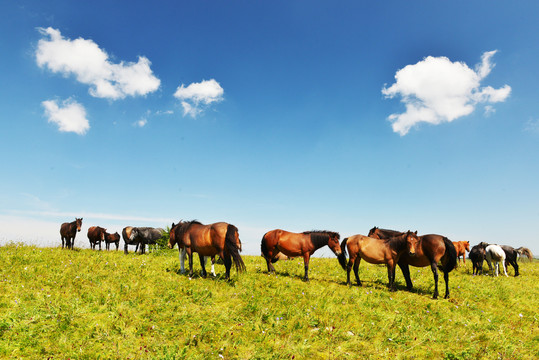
(462, 247)
(375, 251)
(298, 244)
(208, 240)
(424, 251)
(183, 253)
(68, 232)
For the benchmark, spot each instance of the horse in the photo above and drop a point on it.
(209, 240)
(96, 234)
(375, 251)
(462, 247)
(522, 251)
(298, 244)
(494, 253)
(68, 232)
(477, 256)
(112, 238)
(423, 251)
(183, 253)
(126, 235)
(511, 257)
(145, 235)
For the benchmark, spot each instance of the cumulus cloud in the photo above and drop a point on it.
(437, 90)
(70, 116)
(197, 96)
(91, 66)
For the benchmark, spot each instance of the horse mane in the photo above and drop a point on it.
(323, 233)
(525, 251)
(183, 226)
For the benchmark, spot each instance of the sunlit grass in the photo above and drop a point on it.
(88, 304)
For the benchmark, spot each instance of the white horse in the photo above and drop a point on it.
(183, 254)
(494, 253)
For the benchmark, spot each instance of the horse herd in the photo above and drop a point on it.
(381, 246)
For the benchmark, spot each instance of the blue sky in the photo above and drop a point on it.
(297, 115)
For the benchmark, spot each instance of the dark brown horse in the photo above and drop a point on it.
(298, 244)
(96, 235)
(112, 238)
(208, 240)
(424, 251)
(375, 251)
(68, 232)
(462, 247)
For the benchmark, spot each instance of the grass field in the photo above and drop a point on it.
(86, 304)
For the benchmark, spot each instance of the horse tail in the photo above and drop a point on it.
(232, 248)
(526, 252)
(342, 257)
(264, 247)
(451, 252)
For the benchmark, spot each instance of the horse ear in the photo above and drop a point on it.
(415, 233)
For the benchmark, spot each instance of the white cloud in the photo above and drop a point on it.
(195, 97)
(141, 123)
(437, 90)
(91, 66)
(70, 116)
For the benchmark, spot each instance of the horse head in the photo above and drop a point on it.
(373, 233)
(467, 246)
(172, 236)
(412, 242)
(78, 223)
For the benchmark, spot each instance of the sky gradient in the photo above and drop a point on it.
(297, 115)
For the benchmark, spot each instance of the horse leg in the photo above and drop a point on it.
(213, 266)
(434, 268)
(391, 276)
(182, 254)
(203, 265)
(504, 268)
(405, 268)
(190, 254)
(306, 258)
(446, 279)
(356, 269)
(227, 259)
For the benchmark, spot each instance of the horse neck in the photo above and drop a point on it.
(397, 242)
(319, 240)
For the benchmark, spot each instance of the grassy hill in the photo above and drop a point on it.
(86, 304)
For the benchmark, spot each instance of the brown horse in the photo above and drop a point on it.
(375, 251)
(68, 232)
(112, 238)
(424, 251)
(462, 247)
(96, 235)
(298, 244)
(208, 240)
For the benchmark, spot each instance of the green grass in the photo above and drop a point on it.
(86, 304)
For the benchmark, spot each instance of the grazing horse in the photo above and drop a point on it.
(423, 251)
(183, 252)
(298, 244)
(462, 247)
(494, 253)
(477, 256)
(145, 236)
(96, 234)
(209, 240)
(112, 238)
(522, 251)
(68, 232)
(511, 257)
(375, 251)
